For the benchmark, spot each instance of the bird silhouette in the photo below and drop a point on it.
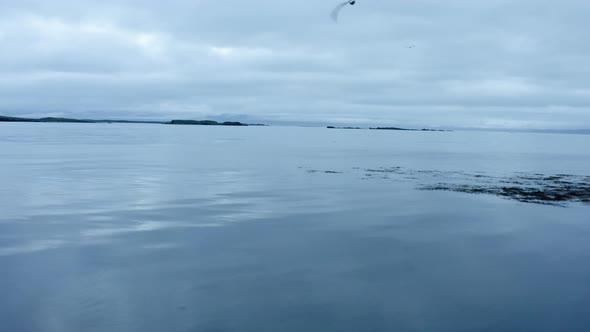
(336, 11)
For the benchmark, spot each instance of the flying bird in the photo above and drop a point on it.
(338, 8)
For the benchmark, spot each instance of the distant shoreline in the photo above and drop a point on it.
(172, 122)
(387, 128)
(7, 119)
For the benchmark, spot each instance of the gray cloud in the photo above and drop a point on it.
(488, 64)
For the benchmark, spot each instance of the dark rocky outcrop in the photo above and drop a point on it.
(390, 128)
(205, 123)
(332, 127)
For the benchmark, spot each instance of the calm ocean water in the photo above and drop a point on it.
(173, 228)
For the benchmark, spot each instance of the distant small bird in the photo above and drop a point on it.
(338, 8)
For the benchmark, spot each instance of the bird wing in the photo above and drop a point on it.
(336, 10)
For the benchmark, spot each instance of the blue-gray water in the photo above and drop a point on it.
(171, 228)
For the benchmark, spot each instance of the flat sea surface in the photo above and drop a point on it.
(129, 227)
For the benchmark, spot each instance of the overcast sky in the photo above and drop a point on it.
(474, 63)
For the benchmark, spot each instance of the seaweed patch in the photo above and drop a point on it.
(535, 188)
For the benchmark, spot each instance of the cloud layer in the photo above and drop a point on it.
(409, 62)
